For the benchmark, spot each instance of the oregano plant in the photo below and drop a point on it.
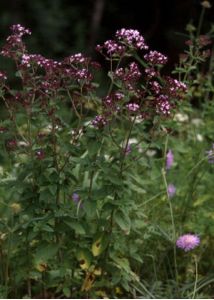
(75, 159)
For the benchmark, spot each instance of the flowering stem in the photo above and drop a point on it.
(200, 161)
(200, 21)
(171, 210)
(140, 61)
(73, 105)
(196, 277)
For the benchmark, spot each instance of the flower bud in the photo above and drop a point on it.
(16, 208)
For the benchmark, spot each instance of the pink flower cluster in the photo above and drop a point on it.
(132, 38)
(155, 58)
(151, 72)
(19, 30)
(162, 105)
(112, 47)
(14, 41)
(133, 107)
(175, 87)
(39, 60)
(146, 95)
(99, 121)
(125, 39)
(129, 76)
(3, 76)
(111, 102)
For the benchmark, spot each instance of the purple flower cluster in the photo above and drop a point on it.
(19, 30)
(132, 38)
(155, 58)
(3, 76)
(132, 73)
(188, 242)
(112, 102)
(162, 105)
(145, 96)
(73, 69)
(151, 72)
(113, 47)
(129, 76)
(133, 107)
(14, 41)
(39, 60)
(77, 58)
(175, 88)
(124, 40)
(155, 87)
(99, 121)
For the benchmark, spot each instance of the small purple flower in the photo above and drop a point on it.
(171, 190)
(75, 198)
(99, 121)
(162, 105)
(132, 107)
(169, 159)
(40, 154)
(210, 155)
(128, 149)
(188, 242)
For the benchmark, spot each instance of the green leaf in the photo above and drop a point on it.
(76, 226)
(90, 208)
(66, 292)
(122, 219)
(47, 228)
(53, 189)
(45, 252)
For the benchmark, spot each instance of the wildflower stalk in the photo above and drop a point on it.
(200, 21)
(197, 165)
(171, 211)
(196, 277)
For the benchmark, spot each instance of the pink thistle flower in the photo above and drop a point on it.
(171, 190)
(75, 198)
(169, 159)
(188, 242)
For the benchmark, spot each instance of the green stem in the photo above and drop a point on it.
(196, 277)
(200, 22)
(171, 210)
